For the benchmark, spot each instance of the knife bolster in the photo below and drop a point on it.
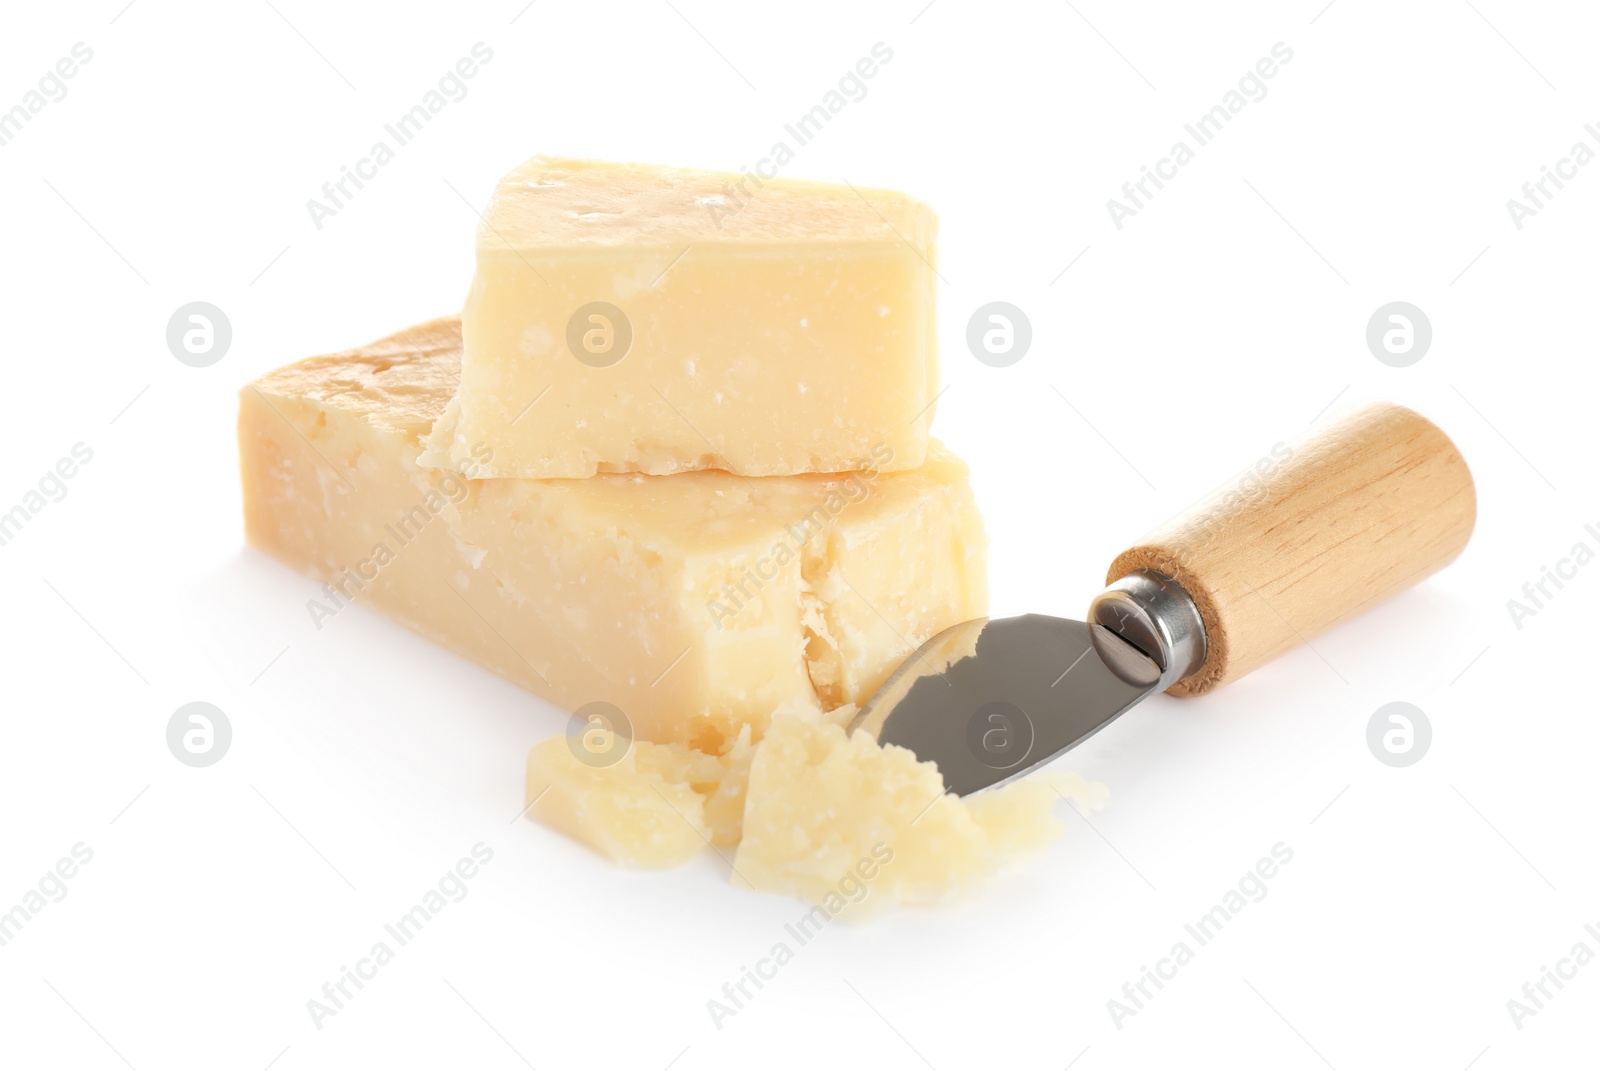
(1151, 612)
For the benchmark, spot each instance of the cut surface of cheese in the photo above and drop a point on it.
(693, 604)
(634, 318)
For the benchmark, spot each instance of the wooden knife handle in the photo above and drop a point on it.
(1314, 533)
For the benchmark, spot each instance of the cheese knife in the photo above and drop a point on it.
(1312, 535)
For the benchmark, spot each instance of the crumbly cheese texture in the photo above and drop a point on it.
(820, 802)
(653, 807)
(697, 604)
(635, 318)
(632, 811)
(831, 818)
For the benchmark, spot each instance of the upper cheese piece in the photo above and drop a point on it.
(696, 604)
(632, 318)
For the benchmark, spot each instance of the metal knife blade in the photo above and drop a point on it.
(991, 699)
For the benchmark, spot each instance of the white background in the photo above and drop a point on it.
(1225, 317)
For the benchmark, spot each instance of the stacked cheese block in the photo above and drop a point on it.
(669, 459)
(672, 458)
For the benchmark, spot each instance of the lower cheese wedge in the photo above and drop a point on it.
(694, 604)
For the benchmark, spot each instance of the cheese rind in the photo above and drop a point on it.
(630, 318)
(696, 603)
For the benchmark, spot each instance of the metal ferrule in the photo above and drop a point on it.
(1151, 612)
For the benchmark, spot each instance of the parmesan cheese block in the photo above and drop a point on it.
(696, 604)
(631, 318)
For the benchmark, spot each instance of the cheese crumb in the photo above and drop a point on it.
(808, 807)
(627, 811)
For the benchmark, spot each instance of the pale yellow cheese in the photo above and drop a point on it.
(648, 805)
(628, 810)
(764, 326)
(696, 603)
(819, 803)
(833, 819)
